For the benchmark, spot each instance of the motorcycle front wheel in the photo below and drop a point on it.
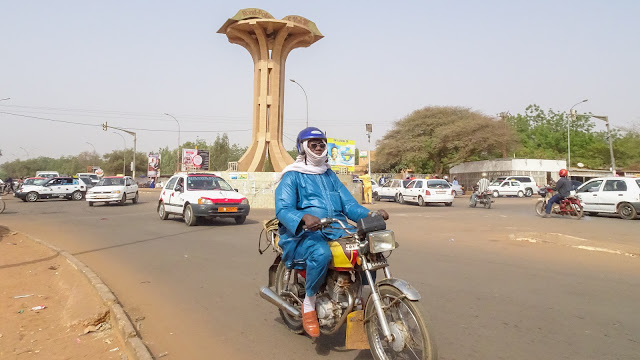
(296, 285)
(411, 339)
(540, 205)
(487, 202)
(576, 211)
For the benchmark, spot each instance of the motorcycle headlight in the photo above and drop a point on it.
(381, 241)
(244, 201)
(203, 201)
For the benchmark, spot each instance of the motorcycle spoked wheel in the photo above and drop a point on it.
(576, 211)
(296, 286)
(411, 338)
(540, 205)
(487, 202)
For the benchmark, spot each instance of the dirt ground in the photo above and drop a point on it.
(74, 323)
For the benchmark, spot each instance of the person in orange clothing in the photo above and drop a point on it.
(366, 181)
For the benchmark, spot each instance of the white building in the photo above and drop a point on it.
(541, 170)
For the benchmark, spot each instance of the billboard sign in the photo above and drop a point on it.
(342, 154)
(194, 159)
(153, 165)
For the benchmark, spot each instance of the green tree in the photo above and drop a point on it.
(433, 139)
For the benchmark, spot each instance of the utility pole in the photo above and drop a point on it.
(105, 126)
(369, 128)
(613, 160)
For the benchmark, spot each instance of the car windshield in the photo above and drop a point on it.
(200, 182)
(35, 181)
(94, 177)
(111, 182)
(496, 183)
(438, 184)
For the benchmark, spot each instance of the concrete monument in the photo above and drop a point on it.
(269, 41)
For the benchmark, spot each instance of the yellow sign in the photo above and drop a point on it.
(341, 153)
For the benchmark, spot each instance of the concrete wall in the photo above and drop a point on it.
(259, 187)
(541, 170)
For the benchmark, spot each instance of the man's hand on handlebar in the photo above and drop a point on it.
(381, 212)
(311, 223)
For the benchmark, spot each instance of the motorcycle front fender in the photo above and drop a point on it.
(409, 291)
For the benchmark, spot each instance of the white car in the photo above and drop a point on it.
(508, 188)
(201, 195)
(457, 188)
(113, 189)
(57, 187)
(390, 190)
(612, 195)
(423, 191)
(529, 183)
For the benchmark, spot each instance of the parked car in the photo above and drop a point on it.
(507, 188)
(47, 174)
(575, 184)
(201, 195)
(57, 187)
(113, 189)
(530, 186)
(459, 190)
(611, 195)
(423, 191)
(390, 190)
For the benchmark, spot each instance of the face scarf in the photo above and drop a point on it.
(308, 163)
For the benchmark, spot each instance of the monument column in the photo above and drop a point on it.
(269, 41)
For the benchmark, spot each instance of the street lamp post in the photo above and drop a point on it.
(124, 153)
(25, 150)
(178, 150)
(105, 126)
(572, 116)
(305, 98)
(5, 99)
(613, 160)
(94, 148)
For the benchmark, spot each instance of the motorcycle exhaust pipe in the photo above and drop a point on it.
(278, 301)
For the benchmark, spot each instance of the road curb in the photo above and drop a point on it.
(135, 348)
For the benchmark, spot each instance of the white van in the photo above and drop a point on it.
(47, 174)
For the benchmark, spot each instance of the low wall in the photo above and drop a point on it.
(259, 187)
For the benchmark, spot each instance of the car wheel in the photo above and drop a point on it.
(448, 204)
(189, 218)
(455, 193)
(162, 212)
(496, 193)
(90, 203)
(376, 197)
(627, 211)
(32, 196)
(520, 194)
(77, 195)
(420, 201)
(528, 192)
(123, 200)
(135, 198)
(591, 213)
(240, 219)
(400, 199)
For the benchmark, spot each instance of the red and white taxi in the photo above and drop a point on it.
(205, 195)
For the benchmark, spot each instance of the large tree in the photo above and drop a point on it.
(433, 139)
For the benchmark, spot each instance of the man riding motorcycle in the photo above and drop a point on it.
(307, 191)
(562, 188)
(483, 185)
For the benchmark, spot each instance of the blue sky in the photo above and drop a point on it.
(129, 62)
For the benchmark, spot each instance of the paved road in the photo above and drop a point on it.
(490, 292)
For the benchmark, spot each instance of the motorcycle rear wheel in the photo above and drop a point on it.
(294, 324)
(576, 211)
(540, 205)
(487, 202)
(411, 338)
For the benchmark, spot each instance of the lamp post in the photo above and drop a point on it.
(573, 116)
(5, 99)
(305, 98)
(124, 153)
(178, 150)
(94, 148)
(106, 126)
(613, 160)
(25, 150)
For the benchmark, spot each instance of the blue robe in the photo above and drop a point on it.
(322, 196)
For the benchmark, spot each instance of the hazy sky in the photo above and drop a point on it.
(128, 62)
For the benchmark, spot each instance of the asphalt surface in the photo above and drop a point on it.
(496, 284)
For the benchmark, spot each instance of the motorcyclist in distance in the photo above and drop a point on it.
(483, 185)
(562, 188)
(307, 191)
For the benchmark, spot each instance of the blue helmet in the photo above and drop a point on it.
(309, 133)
